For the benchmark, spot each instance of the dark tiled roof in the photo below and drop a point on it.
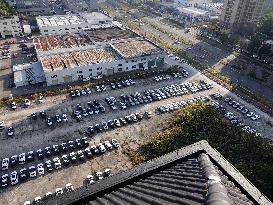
(196, 174)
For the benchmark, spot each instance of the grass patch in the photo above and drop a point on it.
(251, 155)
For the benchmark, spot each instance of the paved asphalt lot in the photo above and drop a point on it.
(31, 135)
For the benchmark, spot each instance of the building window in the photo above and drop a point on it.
(119, 64)
(119, 69)
(134, 66)
(127, 68)
(79, 71)
(90, 69)
(54, 76)
(45, 30)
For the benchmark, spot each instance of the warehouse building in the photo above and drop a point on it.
(85, 63)
(61, 24)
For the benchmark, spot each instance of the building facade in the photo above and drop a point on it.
(10, 26)
(240, 14)
(88, 72)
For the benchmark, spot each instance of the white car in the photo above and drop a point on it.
(40, 169)
(37, 199)
(27, 102)
(32, 171)
(90, 179)
(22, 158)
(5, 163)
(13, 105)
(115, 143)
(27, 203)
(13, 178)
(99, 175)
(59, 191)
(57, 163)
(101, 147)
(69, 187)
(64, 116)
(48, 195)
(108, 145)
(40, 99)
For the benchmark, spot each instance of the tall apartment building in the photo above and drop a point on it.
(238, 14)
(10, 26)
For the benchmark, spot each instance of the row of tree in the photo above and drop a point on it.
(4, 9)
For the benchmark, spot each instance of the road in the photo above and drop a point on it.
(211, 55)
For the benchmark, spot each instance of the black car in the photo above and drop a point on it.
(111, 124)
(85, 142)
(13, 161)
(79, 143)
(91, 130)
(34, 116)
(40, 154)
(30, 156)
(98, 127)
(80, 155)
(94, 150)
(23, 174)
(88, 153)
(49, 121)
(49, 166)
(79, 107)
(72, 94)
(71, 145)
(43, 114)
(65, 160)
(48, 151)
(56, 149)
(64, 147)
(139, 116)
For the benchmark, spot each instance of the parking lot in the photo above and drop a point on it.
(31, 135)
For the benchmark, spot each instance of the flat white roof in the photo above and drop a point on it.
(59, 20)
(62, 20)
(193, 11)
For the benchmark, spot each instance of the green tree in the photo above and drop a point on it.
(4, 9)
(265, 25)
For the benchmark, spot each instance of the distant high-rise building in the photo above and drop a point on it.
(239, 14)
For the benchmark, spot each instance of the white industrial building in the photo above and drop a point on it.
(28, 74)
(75, 23)
(10, 26)
(193, 14)
(85, 63)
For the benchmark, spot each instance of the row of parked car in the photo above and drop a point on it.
(242, 109)
(57, 163)
(90, 179)
(26, 103)
(101, 88)
(47, 152)
(116, 123)
(177, 105)
(128, 100)
(234, 119)
(92, 108)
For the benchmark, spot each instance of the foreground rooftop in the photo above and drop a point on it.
(196, 174)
